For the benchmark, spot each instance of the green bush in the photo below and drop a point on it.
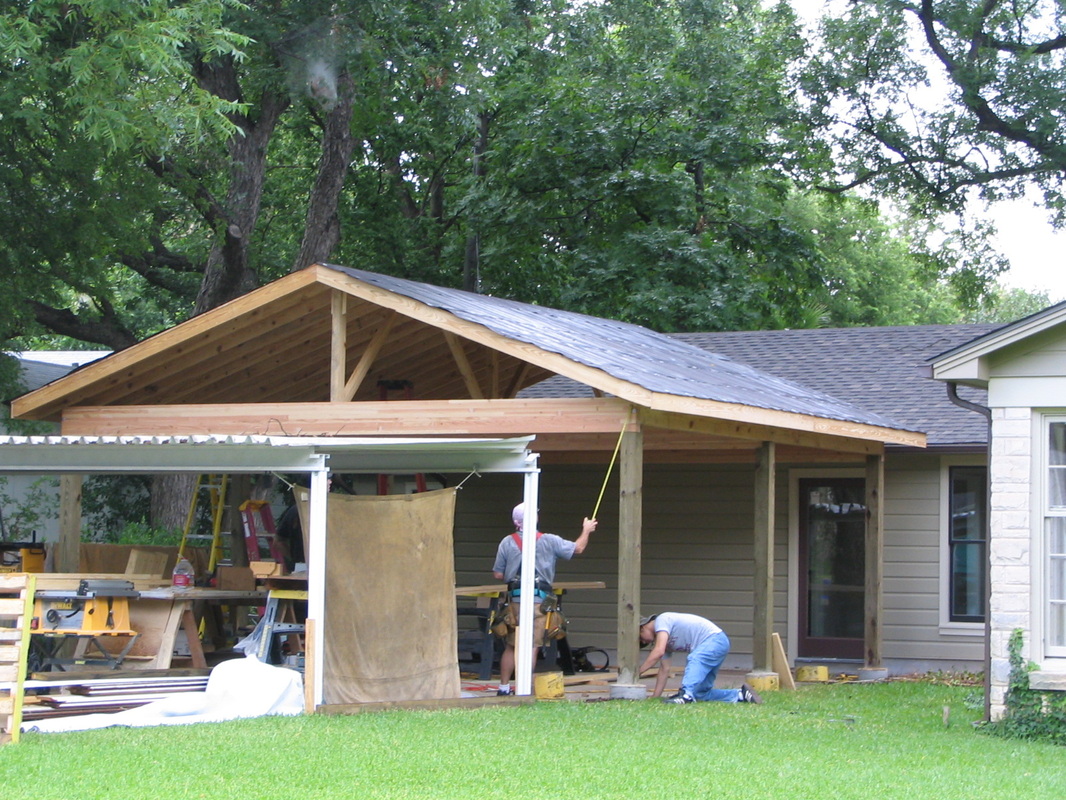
(1030, 713)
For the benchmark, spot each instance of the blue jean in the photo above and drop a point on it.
(702, 668)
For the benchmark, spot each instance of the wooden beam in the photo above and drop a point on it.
(68, 550)
(763, 611)
(630, 516)
(338, 345)
(373, 418)
(455, 344)
(366, 361)
(875, 526)
(738, 429)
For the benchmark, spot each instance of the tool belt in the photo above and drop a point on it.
(504, 619)
(542, 587)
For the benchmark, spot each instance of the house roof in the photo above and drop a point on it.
(274, 345)
(968, 362)
(876, 369)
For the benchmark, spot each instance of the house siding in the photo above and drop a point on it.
(697, 553)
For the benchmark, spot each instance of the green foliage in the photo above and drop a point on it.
(1029, 713)
(932, 101)
(141, 533)
(22, 514)
(112, 504)
(1008, 305)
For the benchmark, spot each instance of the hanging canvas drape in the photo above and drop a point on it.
(390, 622)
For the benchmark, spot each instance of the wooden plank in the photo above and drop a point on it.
(310, 665)
(780, 664)
(371, 352)
(413, 417)
(455, 344)
(763, 568)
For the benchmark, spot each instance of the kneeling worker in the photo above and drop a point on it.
(706, 645)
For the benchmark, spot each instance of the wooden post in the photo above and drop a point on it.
(763, 611)
(338, 345)
(875, 525)
(630, 514)
(68, 550)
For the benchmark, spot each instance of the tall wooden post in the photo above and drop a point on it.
(338, 345)
(763, 612)
(68, 551)
(630, 515)
(875, 526)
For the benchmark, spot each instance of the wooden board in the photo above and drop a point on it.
(15, 620)
(780, 662)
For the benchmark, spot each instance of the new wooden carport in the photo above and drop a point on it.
(305, 355)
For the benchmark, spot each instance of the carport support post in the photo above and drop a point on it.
(875, 545)
(527, 582)
(763, 611)
(316, 577)
(630, 515)
(68, 551)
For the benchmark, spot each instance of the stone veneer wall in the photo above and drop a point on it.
(1011, 473)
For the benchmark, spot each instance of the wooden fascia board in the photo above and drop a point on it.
(495, 417)
(763, 430)
(44, 403)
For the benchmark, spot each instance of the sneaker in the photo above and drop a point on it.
(680, 698)
(749, 695)
(503, 691)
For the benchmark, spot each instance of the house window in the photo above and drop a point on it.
(967, 543)
(1054, 561)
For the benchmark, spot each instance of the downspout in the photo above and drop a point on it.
(953, 396)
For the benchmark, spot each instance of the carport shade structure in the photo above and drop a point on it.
(315, 456)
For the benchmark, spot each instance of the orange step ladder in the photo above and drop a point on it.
(259, 532)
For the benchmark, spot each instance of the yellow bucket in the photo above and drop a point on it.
(812, 674)
(764, 682)
(549, 686)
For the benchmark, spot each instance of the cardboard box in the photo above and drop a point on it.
(240, 579)
(267, 569)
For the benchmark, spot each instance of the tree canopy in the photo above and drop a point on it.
(654, 162)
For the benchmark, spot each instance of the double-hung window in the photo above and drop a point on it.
(967, 544)
(1053, 562)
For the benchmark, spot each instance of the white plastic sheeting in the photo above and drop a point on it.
(237, 689)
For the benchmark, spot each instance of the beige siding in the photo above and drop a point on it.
(697, 552)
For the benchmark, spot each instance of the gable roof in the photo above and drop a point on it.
(967, 363)
(876, 369)
(274, 345)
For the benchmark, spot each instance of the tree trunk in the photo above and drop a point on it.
(472, 258)
(170, 500)
(322, 228)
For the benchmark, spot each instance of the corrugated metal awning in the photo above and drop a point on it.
(206, 453)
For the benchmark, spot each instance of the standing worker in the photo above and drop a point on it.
(706, 645)
(508, 565)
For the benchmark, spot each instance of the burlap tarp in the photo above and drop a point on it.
(390, 622)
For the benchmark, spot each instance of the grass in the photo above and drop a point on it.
(832, 742)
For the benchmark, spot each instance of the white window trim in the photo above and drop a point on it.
(1051, 659)
(946, 626)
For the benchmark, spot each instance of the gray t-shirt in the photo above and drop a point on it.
(549, 548)
(686, 631)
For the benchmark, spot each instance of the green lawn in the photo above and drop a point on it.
(833, 742)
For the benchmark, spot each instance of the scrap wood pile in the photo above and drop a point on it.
(52, 694)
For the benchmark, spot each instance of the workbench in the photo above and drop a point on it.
(488, 598)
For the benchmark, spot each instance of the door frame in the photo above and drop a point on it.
(794, 599)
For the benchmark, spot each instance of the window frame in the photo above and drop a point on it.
(1042, 555)
(949, 626)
